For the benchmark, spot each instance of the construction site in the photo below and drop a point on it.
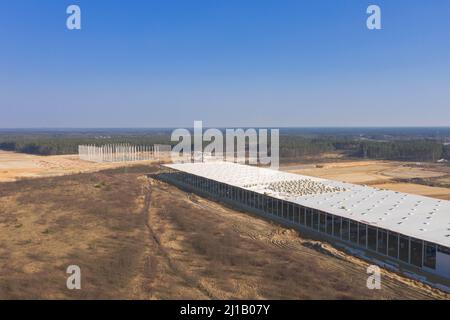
(138, 237)
(121, 152)
(406, 233)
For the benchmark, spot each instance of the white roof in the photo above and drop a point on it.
(412, 215)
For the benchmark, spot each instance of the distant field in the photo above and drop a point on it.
(426, 179)
(138, 238)
(15, 166)
(144, 239)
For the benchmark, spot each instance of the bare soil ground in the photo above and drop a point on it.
(135, 237)
(431, 180)
(14, 166)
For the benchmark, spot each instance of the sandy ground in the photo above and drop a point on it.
(392, 175)
(284, 263)
(139, 238)
(15, 166)
(434, 179)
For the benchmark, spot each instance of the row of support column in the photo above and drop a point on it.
(394, 246)
(120, 152)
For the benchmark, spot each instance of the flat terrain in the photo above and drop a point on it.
(135, 237)
(15, 166)
(431, 180)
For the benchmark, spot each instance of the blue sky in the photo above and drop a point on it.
(227, 62)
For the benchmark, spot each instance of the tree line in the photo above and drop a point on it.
(58, 145)
(292, 146)
(409, 150)
(421, 150)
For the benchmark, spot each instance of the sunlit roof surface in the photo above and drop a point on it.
(412, 215)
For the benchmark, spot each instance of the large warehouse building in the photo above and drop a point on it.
(405, 231)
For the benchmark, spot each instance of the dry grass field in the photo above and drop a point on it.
(135, 237)
(92, 220)
(139, 238)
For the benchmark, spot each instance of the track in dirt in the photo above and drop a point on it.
(174, 267)
(251, 230)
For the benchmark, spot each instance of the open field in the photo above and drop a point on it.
(15, 166)
(135, 237)
(431, 180)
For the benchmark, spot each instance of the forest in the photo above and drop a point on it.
(68, 144)
(293, 145)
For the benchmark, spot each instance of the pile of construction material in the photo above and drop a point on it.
(302, 187)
